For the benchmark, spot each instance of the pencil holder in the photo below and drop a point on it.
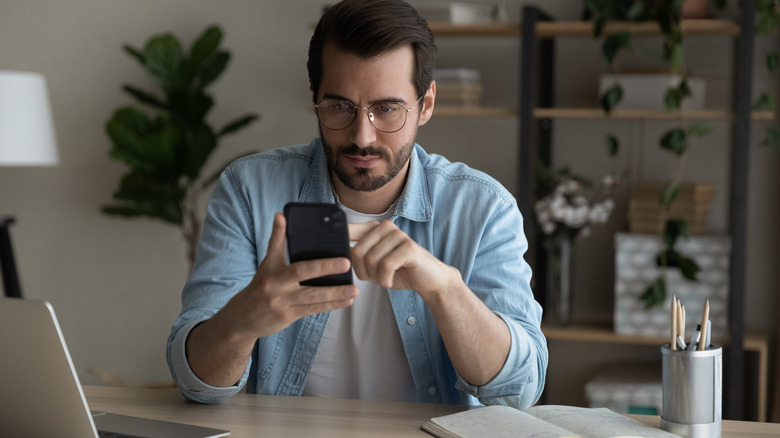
(692, 391)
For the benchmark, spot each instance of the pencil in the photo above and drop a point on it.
(673, 343)
(705, 319)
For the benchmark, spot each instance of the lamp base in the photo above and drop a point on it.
(7, 262)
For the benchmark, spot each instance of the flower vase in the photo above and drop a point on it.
(559, 282)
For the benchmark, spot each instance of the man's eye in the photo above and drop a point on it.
(387, 108)
(342, 106)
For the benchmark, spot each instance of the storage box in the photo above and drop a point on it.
(646, 91)
(456, 13)
(636, 269)
(627, 389)
(692, 204)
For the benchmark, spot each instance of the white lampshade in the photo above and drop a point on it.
(26, 128)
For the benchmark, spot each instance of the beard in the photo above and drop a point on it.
(365, 179)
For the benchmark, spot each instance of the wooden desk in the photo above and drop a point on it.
(248, 415)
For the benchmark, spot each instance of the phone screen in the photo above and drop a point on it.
(316, 231)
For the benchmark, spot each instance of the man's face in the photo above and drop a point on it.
(362, 157)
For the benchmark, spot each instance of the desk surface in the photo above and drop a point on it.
(265, 416)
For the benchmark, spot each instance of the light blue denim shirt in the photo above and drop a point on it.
(462, 216)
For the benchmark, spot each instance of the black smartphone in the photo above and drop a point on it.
(316, 231)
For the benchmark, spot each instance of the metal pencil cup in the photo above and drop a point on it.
(692, 391)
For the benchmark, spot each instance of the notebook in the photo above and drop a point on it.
(40, 392)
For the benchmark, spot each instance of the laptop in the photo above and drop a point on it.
(40, 392)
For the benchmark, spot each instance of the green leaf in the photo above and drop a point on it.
(613, 44)
(613, 145)
(611, 97)
(676, 228)
(688, 268)
(699, 129)
(135, 53)
(206, 46)
(200, 144)
(143, 96)
(212, 68)
(772, 61)
(237, 124)
(655, 294)
(635, 10)
(772, 139)
(672, 99)
(668, 195)
(766, 102)
(675, 141)
(152, 146)
(163, 57)
(140, 193)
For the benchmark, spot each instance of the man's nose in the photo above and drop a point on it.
(362, 132)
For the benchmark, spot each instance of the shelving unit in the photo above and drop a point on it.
(537, 114)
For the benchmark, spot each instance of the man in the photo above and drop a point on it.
(441, 309)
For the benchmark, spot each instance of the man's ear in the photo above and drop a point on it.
(427, 104)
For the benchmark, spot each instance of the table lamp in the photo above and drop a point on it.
(26, 139)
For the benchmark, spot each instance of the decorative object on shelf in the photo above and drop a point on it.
(458, 87)
(457, 13)
(567, 207)
(636, 265)
(166, 151)
(642, 89)
(692, 205)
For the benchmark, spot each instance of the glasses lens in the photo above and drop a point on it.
(336, 114)
(387, 117)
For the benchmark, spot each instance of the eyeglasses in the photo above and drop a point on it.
(385, 116)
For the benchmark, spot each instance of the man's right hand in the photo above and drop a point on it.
(219, 348)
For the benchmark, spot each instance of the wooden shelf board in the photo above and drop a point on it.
(754, 340)
(597, 113)
(583, 29)
(448, 111)
(475, 30)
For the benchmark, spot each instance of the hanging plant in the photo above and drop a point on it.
(667, 14)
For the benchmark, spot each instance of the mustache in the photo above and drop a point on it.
(354, 149)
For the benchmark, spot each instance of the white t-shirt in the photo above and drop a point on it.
(361, 354)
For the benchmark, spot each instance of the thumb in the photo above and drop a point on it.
(276, 251)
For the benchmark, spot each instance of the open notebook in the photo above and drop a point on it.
(40, 392)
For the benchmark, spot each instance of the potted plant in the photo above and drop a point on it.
(166, 149)
(668, 14)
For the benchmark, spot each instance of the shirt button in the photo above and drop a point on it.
(431, 390)
(411, 320)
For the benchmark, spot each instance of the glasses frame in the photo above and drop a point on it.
(368, 113)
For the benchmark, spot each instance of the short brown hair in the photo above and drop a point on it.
(369, 28)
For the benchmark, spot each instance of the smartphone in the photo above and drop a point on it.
(316, 231)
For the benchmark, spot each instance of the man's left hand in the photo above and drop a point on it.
(387, 256)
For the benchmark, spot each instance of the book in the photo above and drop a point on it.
(543, 421)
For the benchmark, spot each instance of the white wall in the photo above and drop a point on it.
(116, 283)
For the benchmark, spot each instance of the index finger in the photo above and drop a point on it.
(357, 231)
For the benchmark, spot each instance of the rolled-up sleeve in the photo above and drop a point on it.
(189, 383)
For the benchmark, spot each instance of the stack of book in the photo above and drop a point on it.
(456, 13)
(458, 87)
(692, 204)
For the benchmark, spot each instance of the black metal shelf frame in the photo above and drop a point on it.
(535, 141)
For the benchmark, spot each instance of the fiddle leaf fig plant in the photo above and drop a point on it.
(166, 143)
